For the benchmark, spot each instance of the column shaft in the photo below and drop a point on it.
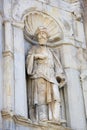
(76, 111)
(8, 68)
(1, 72)
(20, 82)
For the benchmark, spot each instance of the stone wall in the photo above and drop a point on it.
(71, 48)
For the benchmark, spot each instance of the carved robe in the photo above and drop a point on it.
(44, 90)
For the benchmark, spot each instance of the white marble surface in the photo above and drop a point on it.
(8, 45)
(66, 14)
(1, 72)
(84, 88)
(69, 56)
(8, 83)
(8, 70)
(75, 100)
(7, 8)
(19, 64)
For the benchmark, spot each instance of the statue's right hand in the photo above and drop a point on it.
(31, 74)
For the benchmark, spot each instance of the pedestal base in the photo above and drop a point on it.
(17, 122)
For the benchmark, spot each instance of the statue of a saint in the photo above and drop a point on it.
(46, 73)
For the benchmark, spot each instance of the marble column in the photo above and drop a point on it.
(76, 113)
(84, 87)
(8, 83)
(8, 65)
(19, 65)
(1, 72)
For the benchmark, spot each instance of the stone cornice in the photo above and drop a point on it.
(20, 120)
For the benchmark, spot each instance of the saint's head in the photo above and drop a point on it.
(42, 35)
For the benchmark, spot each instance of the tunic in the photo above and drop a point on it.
(43, 73)
(48, 69)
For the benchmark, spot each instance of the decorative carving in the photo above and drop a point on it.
(6, 114)
(35, 19)
(45, 72)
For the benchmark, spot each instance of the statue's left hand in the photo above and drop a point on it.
(61, 80)
(62, 83)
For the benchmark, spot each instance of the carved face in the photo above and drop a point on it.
(42, 38)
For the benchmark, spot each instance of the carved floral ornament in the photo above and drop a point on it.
(36, 19)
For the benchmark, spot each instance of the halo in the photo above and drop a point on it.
(36, 19)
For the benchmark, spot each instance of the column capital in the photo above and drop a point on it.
(7, 53)
(7, 114)
(5, 20)
(18, 24)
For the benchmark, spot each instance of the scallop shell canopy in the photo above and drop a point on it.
(36, 19)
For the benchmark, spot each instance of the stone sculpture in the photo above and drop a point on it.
(46, 74)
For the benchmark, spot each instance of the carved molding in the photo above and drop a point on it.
(20, 120)
(7, 53)
(18, 24)
(5, 20)
(6, 114)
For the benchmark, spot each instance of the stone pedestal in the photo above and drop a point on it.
(17, 122)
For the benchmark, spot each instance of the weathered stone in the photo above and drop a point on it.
(20, 83)
(65, 21)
